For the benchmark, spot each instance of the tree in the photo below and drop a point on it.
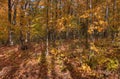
(10, 41)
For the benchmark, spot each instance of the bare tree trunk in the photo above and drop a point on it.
(91, 21)
(86, 28)
(15, 13)
(27, 13)
(10, 41)
(114, 26)
(47, 39)
(91, 35)
(106, 18)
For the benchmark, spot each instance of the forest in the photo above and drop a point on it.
(59, 39)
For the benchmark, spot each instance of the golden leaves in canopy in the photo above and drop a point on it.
(97, 22)
(64, 23)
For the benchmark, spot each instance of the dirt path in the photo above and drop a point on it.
(61, 63)
(15, 64)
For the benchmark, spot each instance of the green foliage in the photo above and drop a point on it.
(38, 30)
(112, 64)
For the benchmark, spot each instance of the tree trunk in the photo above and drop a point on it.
(114, 26)
(10, 41)
(47, 40)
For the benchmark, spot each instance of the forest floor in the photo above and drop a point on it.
(65, 61)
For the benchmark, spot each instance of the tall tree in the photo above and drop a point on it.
(47, 26)
(10, 41)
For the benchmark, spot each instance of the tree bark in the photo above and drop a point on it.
(10, 41)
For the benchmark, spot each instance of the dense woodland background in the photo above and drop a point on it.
(59, 39)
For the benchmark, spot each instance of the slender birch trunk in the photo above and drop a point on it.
(47, 40)
(10, 41)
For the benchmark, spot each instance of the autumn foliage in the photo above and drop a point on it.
(59, 39)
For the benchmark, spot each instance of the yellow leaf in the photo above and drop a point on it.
(101, 22)
(53, 51)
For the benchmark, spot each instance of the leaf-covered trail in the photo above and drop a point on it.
(63, 62)
(16, 64)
